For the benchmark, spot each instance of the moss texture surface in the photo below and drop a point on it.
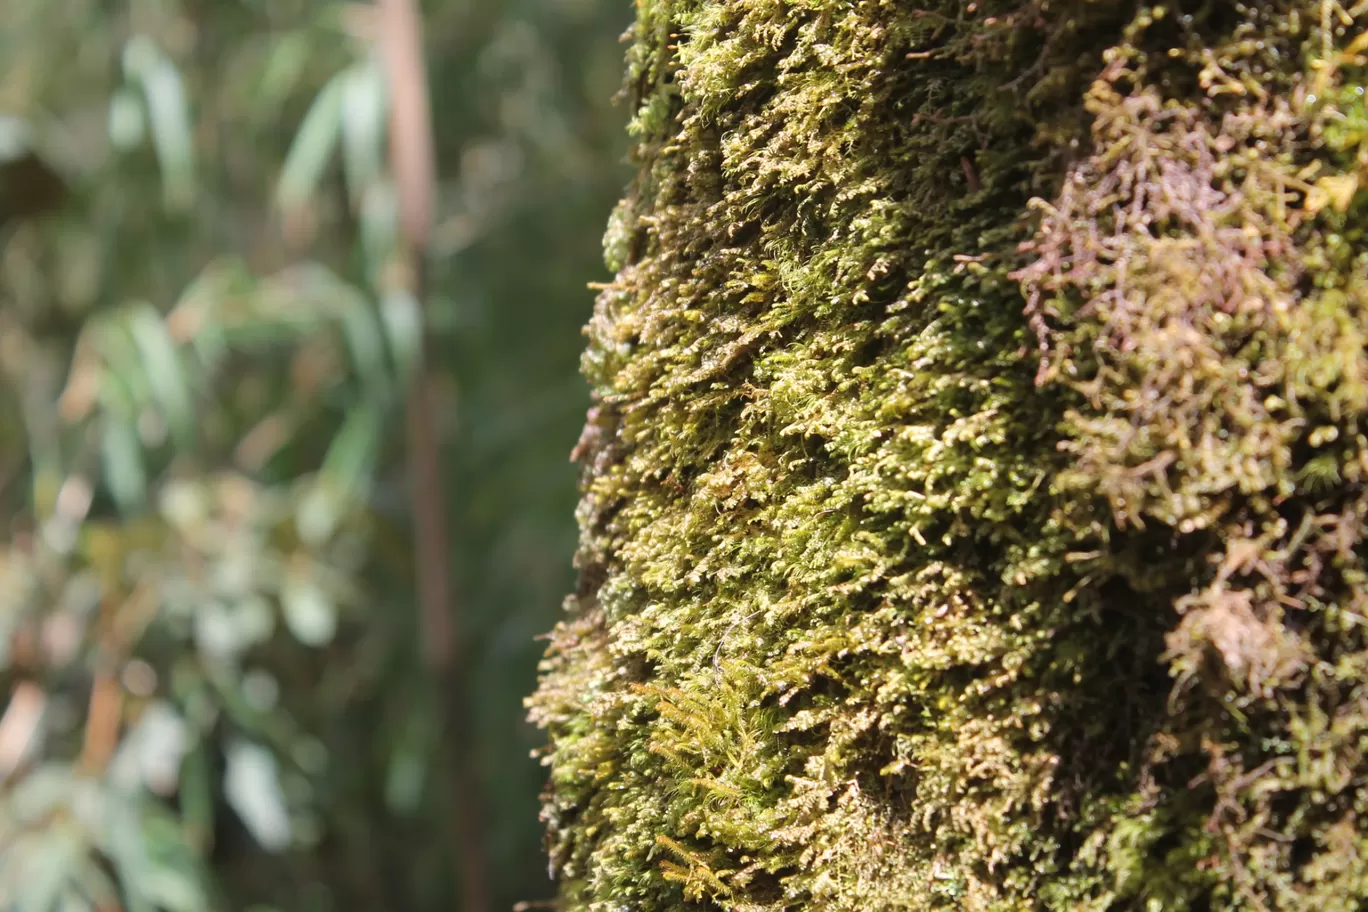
(974, 503)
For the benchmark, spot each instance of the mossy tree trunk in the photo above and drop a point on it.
(974, 503)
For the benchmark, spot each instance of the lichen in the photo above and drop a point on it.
(973, 501)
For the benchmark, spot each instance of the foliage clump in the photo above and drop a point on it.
(973, 513)
(210, 689)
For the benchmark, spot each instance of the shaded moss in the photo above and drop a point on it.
(945, 548)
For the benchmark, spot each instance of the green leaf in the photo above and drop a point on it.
(168, 115)
(313, 146)
(184, 504)
(408, 766)
(41, 793)
(123, 386)
(320, 510)
(255, 620)
(217, 288)
(366, 343)
(364, 122)
(252, 787)
(217, 635)
(276, 728)
(284, 67)
(125, 844)
(51, 859)
(345, 303)
(344, 475)
(150, 754)
(172, 879)
(73, 900)
(16, 139)
(352, 454)
(162, 366)
(379, 222)
(402, 316)
(309, 613)
(97, 885)
(197, 796)
(127, 120)
(122, 456)
(175, 889)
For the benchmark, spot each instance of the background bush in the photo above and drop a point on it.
(207, 620)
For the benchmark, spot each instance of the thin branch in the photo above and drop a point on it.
(103, 722)
(411, 145)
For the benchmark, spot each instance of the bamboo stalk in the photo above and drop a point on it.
(411, 149)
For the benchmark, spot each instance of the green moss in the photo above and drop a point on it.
(946, 549)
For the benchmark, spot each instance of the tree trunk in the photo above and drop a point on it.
(974, 504)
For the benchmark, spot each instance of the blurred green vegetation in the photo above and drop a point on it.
(208, 631)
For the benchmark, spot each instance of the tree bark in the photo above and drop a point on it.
(973, 506)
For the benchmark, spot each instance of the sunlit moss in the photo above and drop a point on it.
(973, 503)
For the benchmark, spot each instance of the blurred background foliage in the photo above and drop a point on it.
(208, 630)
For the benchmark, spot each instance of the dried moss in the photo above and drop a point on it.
(946, 548)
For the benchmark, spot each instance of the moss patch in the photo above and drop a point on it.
(946, 548)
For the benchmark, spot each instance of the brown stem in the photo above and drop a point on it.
(434, 579)
(103, 723)
(441, 649)
(400, 30)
